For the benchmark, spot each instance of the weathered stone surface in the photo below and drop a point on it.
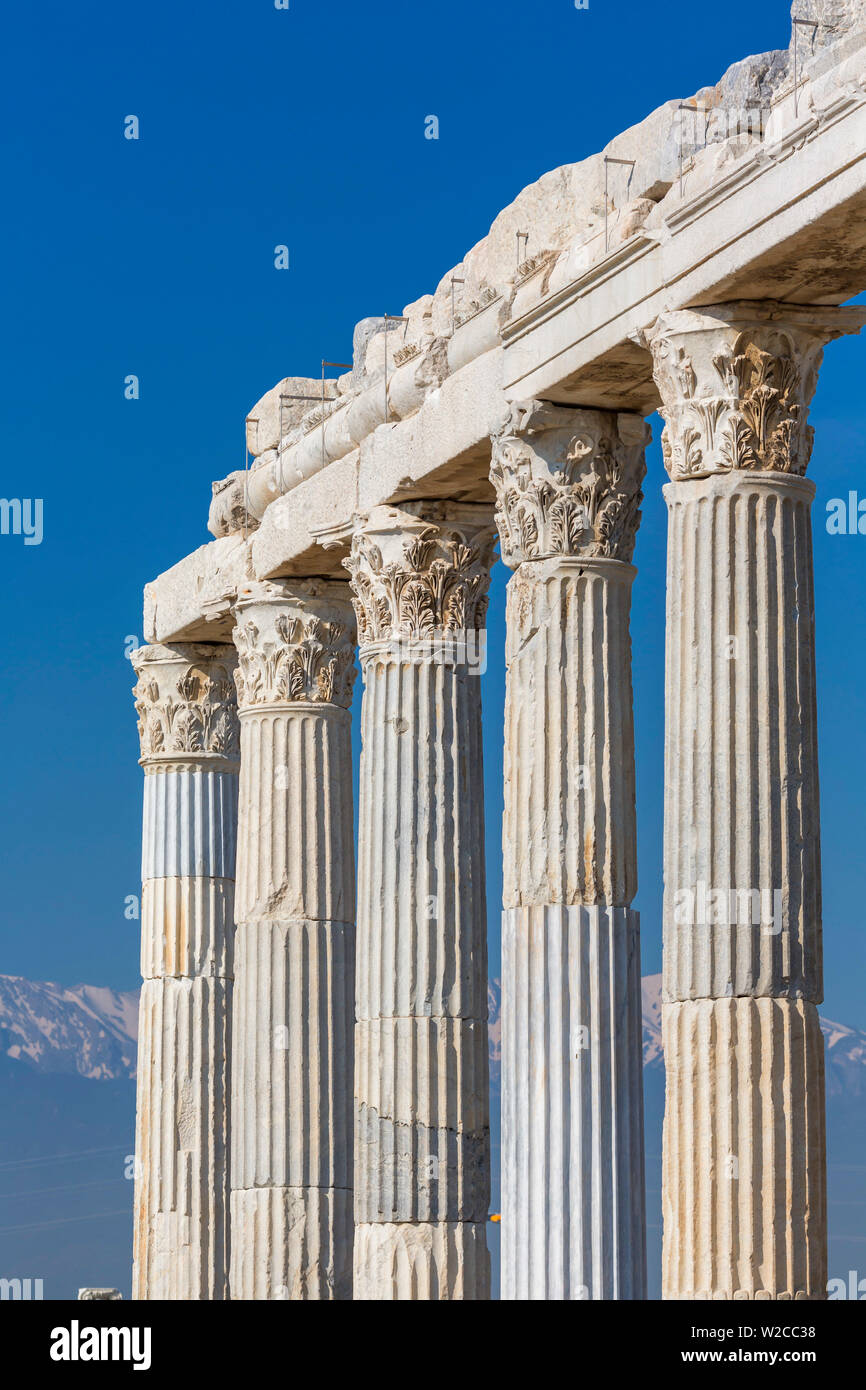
(594, 309)
(420, 572)
(744, 1187)
(185, 703)
(568, 483)
(295, 652)
(421, 1262)
(572, 1104)
(568, 495)
(187, 927)
(185, 700)
(292, 1056)
(569, 823)
(422, 1133)
(736, 382)
(229, 512)
(283, 408)
(419, 577)
(294, 1243)
(728, 210)
(833, 17)
(181, 1231)
(741, 772)
(742, 914)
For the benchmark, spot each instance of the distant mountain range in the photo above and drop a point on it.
(85, 1031)
(67, 1097)
(92, 1031)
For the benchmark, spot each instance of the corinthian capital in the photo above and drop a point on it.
(736, 382)
(295, 640)
(421, 570)
(568, 482)
(185, 701)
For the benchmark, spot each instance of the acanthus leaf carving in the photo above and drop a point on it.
(743, 405)
(432, 579)
(185, 704)
(566, 483)
(299, 656)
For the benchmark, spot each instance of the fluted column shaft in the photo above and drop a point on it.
(185, 699)
(294, 966)
(422, 1180)
(568, 492)
(744, 1183)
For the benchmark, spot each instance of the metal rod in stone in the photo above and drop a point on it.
(799, 24)
(389, 318)
(695, 110)
(325, 363)
(455, 280)
(608, 160)
(288, 396)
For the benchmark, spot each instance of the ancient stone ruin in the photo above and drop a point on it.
(313, 1086)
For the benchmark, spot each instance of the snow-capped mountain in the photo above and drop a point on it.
(651, 1009)
(91, 1031)
(87, 1030)
(494, 1026)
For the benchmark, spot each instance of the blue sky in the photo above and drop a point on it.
(305, 127)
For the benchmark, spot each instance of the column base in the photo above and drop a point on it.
(291, 1243)
(423, 1262)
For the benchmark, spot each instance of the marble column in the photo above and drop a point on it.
(294, 961)
(744, 1182)
(568, 491)
(420, 574)
(185, 699)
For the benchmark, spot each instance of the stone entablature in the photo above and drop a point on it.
(781, 211)
(229, 513)
(575, 223)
